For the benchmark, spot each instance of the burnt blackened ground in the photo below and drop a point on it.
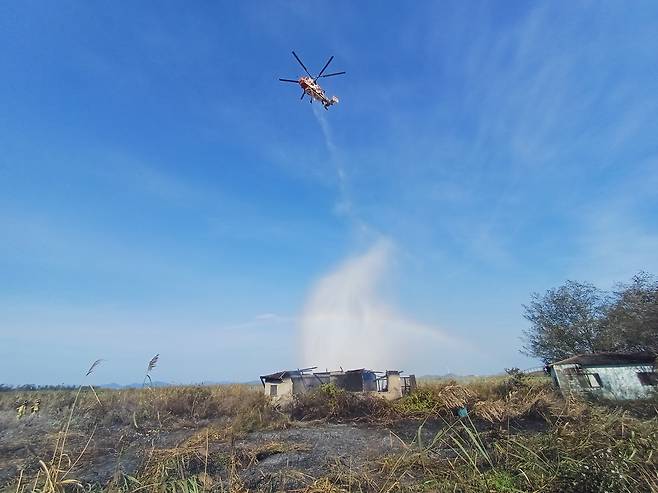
(276, 459)
(121, 449)
(112, 449)
(313, 448)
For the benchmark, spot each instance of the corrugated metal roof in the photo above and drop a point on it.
(281, 375)
(278, 376)
(609, 358)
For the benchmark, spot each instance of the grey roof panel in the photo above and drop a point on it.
(609, 358)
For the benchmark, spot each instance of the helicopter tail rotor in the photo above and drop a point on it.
(330, 102)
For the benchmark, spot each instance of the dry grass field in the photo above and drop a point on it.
(519, 436)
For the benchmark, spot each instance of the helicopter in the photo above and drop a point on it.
(310, 85)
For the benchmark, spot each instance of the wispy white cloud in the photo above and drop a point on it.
(262, 321)
(542, 108)
(617, 234)
(616, 247)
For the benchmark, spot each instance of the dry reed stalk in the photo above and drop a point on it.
(75, 462)
(149, 368)
(210, 433)
(53, 483)
(20, 480)
(492, 411)
(205, 463)
(454, 396)
(323, 485)
(70, 417)
(93, 367)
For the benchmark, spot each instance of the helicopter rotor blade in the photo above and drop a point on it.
(331, 75)
(289, 80)
(324, 68)
(303, 66)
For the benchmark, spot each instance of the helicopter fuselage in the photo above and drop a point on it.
(310, 86)
(313, 89)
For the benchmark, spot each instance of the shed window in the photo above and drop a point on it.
(588, 380)
(273, 390)
(648, 377)
(594, 380)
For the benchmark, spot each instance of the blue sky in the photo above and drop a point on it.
(162, 192)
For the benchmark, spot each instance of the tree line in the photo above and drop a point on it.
(32, 387)
(581, 318)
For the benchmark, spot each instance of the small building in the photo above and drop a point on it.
(391, 384)
(616, 376)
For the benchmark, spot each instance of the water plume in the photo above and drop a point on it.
(343, 204)
(347, 322)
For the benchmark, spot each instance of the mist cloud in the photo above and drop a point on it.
(347, 323)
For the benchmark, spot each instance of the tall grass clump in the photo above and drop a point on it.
(54, 475)
(602, 451)
(331, 403)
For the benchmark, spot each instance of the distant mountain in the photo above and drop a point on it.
(449, 376)
(133, 385)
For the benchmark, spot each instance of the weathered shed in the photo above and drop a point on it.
(283, 385)
(609, 375)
